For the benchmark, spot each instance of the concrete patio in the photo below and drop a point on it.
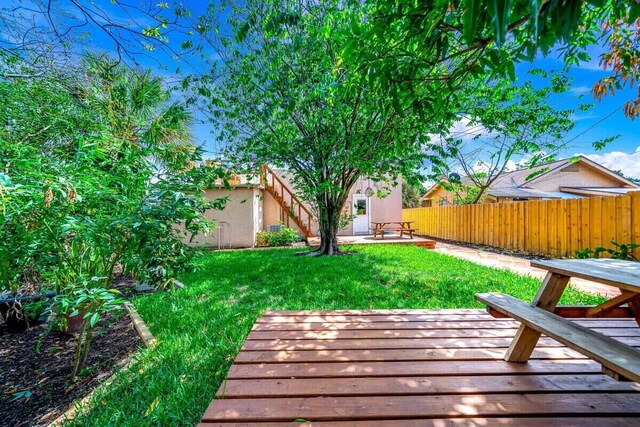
(517, 265)
(367, 239)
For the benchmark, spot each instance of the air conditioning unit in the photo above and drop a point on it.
(275, 228)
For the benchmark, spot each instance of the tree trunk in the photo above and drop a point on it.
(329, 222)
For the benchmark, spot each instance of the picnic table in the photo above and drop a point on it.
(544, 317)
(401, 226)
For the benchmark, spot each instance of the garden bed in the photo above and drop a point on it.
(492, 249)
(36, 367)
(37, 386)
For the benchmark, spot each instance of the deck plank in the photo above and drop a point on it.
(421, 368)
(433, 324)
(442, 406)
(363, 368)
(268, 388)
(380, 355)
(373, 344)
(450, 422)
(413, 333)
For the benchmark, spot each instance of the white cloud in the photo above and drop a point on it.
(628, 163)
(480, 167)
(592, 65)
(577, 117)
(511, 165)
(580, 90)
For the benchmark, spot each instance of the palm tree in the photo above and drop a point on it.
(139, 111)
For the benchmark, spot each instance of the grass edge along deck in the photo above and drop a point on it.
(375, 386)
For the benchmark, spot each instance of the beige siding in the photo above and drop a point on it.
(252, 209)
(388, 208)
(238, 222)
(272, 215)
(436, 196)
(583, 176)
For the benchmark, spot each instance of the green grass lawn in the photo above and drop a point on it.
(201, 328)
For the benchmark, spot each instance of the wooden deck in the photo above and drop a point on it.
(415, 368)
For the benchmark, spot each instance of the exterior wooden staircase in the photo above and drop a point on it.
(292, 208)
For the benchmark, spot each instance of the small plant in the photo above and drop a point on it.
(284, 237)
(92, 303)
(588, 253)
(37, 311)
(345, 221)
(623, 251)
(620, 251)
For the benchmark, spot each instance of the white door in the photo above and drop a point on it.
(361, 206)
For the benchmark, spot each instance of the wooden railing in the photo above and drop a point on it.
(292, 208)
(552, 227)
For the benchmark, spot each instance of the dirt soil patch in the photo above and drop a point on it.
(36, 385)
(500, 251)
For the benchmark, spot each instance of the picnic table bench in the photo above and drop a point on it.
(618, 360)
(401, 226)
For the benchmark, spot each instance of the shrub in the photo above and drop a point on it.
(285, 237)
(620, 251)
(92, 179)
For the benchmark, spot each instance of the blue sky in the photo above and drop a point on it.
(604, 120)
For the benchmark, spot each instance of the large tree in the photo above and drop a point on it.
(95, 170)
(285, 97)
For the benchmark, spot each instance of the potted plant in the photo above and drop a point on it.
(86, 305)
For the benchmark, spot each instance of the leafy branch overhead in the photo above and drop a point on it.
(404, 44)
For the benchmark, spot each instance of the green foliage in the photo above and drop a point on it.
(283, 96)
(37, 310)
(345, 220)
(619, 251)
(202, 327)
(284, 237)
(97, 172)
(441, 44)
(412, 195)
(589, 253)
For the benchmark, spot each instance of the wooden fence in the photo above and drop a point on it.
(551, 227)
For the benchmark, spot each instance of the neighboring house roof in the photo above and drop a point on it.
(529, 193)
(515, 184)
(598, 191)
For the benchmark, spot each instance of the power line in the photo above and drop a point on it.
(595, 124)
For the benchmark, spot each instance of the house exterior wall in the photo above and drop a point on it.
(387, 208)
(583, 175)
(579, 174)
(238, 222)
(251, 209)
(438, 197)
